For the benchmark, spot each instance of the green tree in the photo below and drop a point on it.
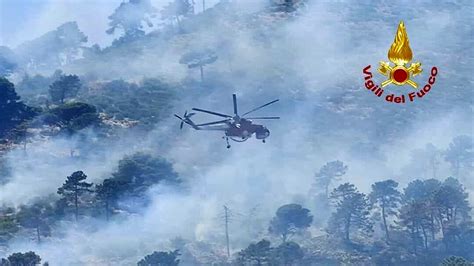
(108, 193)
(352, 211)
(387, 198)
(287, 5)
(53, 49)
(423, 191)
(72, 116)
(455, 261)
(73, 188)
(144, 105)
(460, 154)
(23, 259)
(130, 16)
(414, 219)
(329, 173)
(199, 59)
(140, 171)
(161, 259)
(289, 219)
(453, 209)
(12, 111)
(176, 10)
(8, 225)
(288, 253)
(35, 84)
(66, 86)
(37, 217)
(259, 253)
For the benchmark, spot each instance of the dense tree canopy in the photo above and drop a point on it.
(161, 258)
(21, 259)
(432, 206)
(289, 219)
(140, 171)
(66, 86)
(176, 10)
(37, 217)
(72, 116)
(129, 18)
(258, 253)
(352, 212)
(288, 253)
(108, 193)
(147, 102)
(12, 111)
(261, 253)
(53, 49)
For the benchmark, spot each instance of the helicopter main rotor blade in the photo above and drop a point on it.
(212, 113)
(234, 99)
(213, 123)
(260, 107)
(264, 117)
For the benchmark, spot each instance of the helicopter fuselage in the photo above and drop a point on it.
(244, 129)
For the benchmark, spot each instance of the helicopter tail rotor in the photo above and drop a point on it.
(185, 119)
(182, 121)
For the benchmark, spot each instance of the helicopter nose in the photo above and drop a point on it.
(263, 134)
(267, 133)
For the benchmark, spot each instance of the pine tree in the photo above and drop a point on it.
(329, 173)
(453, 209)
(108, 192)
(199, 59)
(129, 17)
(289, 219)
(66, 86)
(387, 198)
(73, 188)
(352, 212)
(176, 10)
(460, 154)
(423, 191)
(37, 217)
(414, 219)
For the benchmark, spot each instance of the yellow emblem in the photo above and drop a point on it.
(400, 54)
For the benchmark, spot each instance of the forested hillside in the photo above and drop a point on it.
(94, 169)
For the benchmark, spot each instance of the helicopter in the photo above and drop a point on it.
(238, 128)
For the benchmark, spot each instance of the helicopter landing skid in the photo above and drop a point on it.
(227, 141)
